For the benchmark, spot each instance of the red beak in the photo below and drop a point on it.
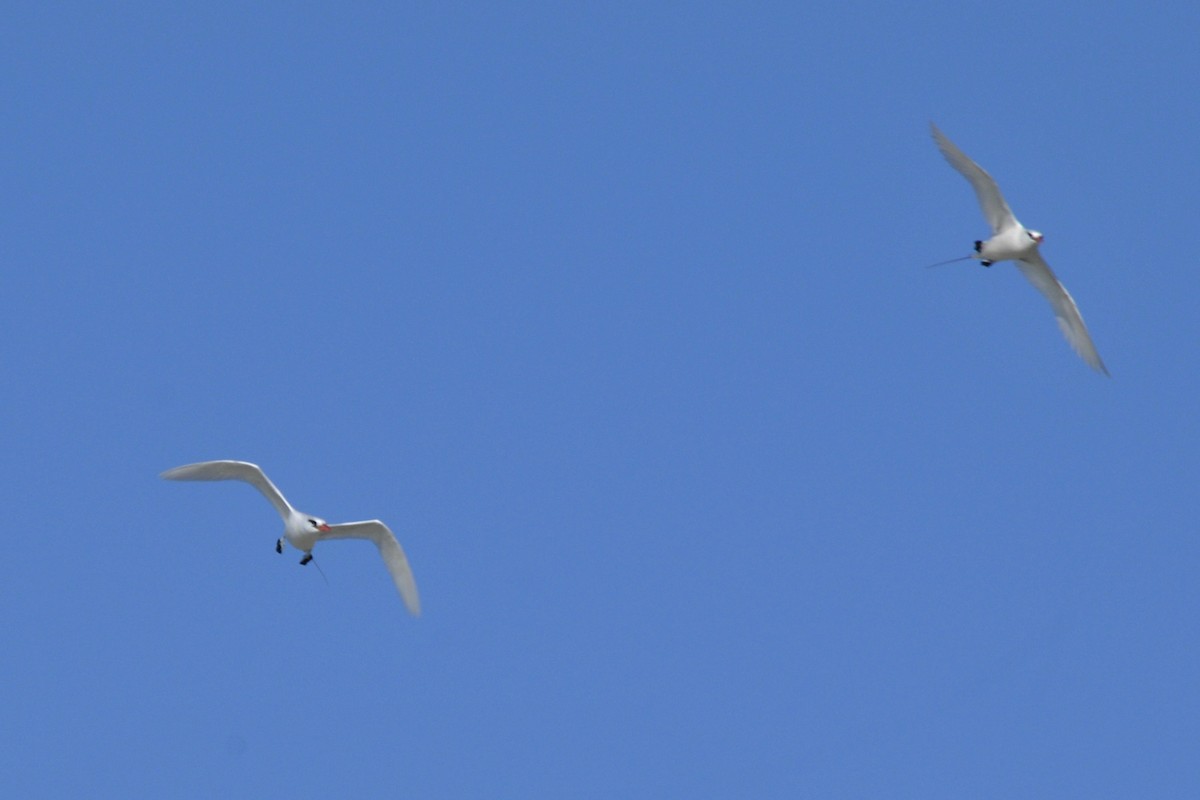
(323, 528)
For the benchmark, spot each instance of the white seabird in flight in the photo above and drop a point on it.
(1013, 241)
(303, 531)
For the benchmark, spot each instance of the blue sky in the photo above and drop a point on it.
(616, 314)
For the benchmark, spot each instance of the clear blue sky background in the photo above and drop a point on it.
(616, 314)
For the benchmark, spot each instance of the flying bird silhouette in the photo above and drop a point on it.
(303, 531)
(1013, 241)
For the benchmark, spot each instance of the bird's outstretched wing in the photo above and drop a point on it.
(995, 210)
(389, 548)
(1038, 272)
(232, 471)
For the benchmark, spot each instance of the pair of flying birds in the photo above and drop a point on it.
(1010, 241)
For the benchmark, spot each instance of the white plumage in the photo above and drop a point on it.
(303, 531)
(1013, 241)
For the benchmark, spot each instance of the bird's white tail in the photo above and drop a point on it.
(951, 261)
(318, 566)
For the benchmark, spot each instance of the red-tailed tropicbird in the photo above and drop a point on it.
(303, 531)
(1013, 241)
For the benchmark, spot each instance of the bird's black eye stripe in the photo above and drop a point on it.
(312, 522)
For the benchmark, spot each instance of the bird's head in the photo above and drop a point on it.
(317, 524)
(1035, 235)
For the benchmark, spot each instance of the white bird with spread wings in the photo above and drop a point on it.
(1012, 240)
(303, 531)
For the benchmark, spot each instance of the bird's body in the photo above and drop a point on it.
(300, 533)
(303, 531)
(1009, 244)
(1012, 241)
